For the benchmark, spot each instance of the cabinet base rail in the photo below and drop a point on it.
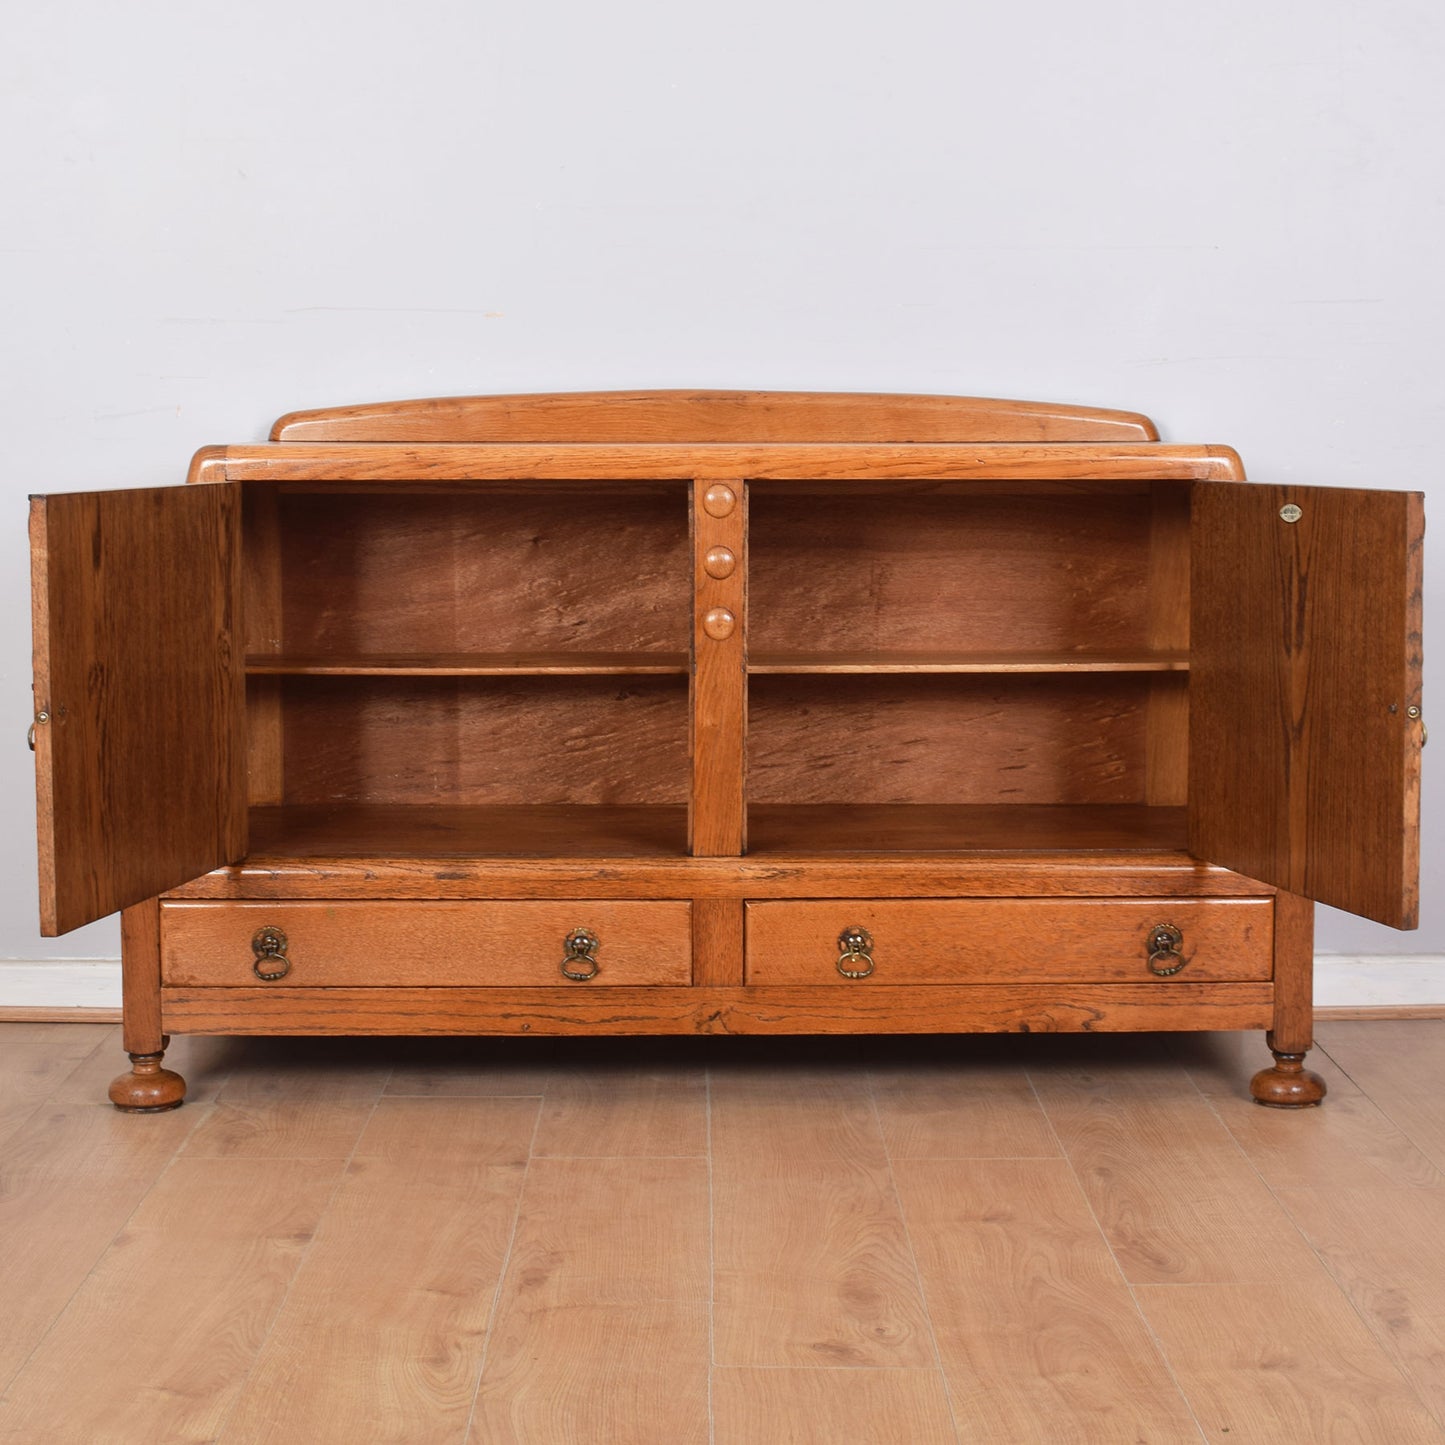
(962, 1009)
(919, 1009)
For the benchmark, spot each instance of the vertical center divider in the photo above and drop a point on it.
(718, 715)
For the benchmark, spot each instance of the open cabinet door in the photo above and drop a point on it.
(139, 694)
(1304, 758)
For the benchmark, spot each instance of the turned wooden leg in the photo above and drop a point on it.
(1288, 1085)
(148, 1088)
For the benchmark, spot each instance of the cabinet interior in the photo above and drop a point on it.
(504, 669)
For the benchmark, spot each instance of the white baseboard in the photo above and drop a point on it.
(1342, 980)
(1402, 980)
(57, 984)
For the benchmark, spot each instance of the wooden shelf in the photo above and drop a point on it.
(800, 829)
(675, 664)
(494, 831)
(796, 663)
(472, 664)
(603, 831)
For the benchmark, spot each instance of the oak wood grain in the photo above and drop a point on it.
(1012, 940)
(1385, 1248)
(1401, 1065)
(226, 1234)
(717, 942)
(1279, 1362)
(485, 740)
(1037, 1331)
(470, 664)
(120, 580)
(960, 1110)
(932, 1008)
(627, 1370)
(420, 943)
(718, 717)
(556, 833)
(411, 466)
(965, 571)
(1009, 1263)
(973, 680)
(770, 1119)
(818, 1407)
(683, 415)
(36, 1026)
(809, 829)
(25, 1014)
(453, 831)
(1351, 1144)
(885, 829)
(382, 1332)
(618, 866)
(471, 1068)
(140, 960)
(601, 1323)
(811, 1261)
(264, 1111)
(608, 1109)
(622, 868)
(261, 588)
(467, 572)
(1294, 973)
(812, 1267)
(851, 661)
(595, 1231)
(1072, 739)
(1177, 1200)
(594, 1372)
(1166, 767)
(1304, 764)
(203, 1060)
(73, 1174)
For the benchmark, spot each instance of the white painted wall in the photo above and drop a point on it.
(1228, 216)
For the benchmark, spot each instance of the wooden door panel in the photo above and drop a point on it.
(140, 758)
(1304, 766)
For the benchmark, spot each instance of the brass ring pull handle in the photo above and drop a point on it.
(1165, 941)
(269, 945)
(856, 958)
(578, 963)
(41, 717)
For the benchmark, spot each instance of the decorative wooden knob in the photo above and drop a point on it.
(719, 500)
(718, 623)
(719, 562)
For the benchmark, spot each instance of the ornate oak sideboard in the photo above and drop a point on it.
(723, 712)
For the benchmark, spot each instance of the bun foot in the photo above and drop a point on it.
(1288, 1085)
(148, 1088)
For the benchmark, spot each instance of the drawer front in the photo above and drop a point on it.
(1010, 940)
(471, 943)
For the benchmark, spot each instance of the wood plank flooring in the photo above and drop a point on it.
(723, 1241)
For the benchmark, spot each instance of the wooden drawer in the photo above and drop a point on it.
(517, 944)
(1010, 940)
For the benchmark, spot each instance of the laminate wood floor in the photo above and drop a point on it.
(1040, 1240)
